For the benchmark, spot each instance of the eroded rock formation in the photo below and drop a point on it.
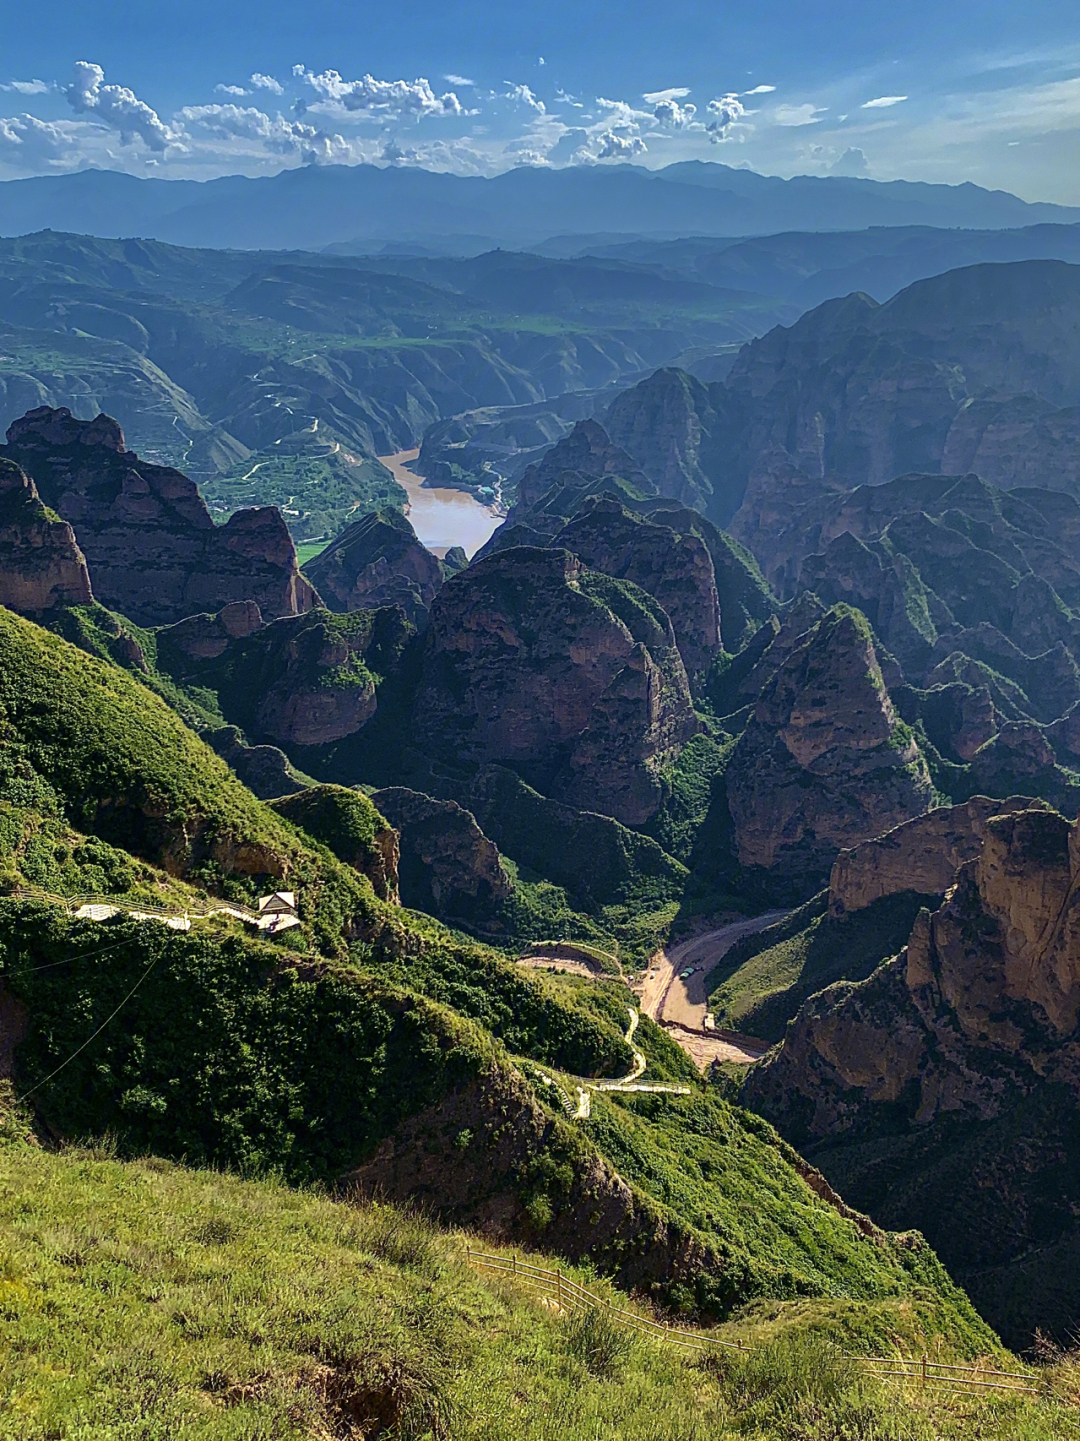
(41, 565)
(448, 866)
(570, 676)
(151, 547)
(824, 762)
(377, 561)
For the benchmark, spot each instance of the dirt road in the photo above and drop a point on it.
(682, 1003)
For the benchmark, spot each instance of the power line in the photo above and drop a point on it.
(97, 1033)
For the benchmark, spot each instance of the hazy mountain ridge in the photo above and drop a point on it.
(315, 206)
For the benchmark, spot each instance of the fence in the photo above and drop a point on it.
(920, 1371)
(139, 908)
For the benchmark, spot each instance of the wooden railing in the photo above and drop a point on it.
(919, 1371)
(197, 910)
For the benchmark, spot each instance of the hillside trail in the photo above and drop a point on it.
(630, 1082)
(682, 1004)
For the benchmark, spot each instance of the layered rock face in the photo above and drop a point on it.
(824, 762)
(587, 452)
(571, 677)
(864, 392)
(41, 565)
(151, 547)
(676, 570)
(447, 866)
(377, 561)
(675, 428)
(305, 680)
(960, 1060)
(922, 855)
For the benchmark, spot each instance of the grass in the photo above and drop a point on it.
(144, 1302)
(764, 978)
(308, 550)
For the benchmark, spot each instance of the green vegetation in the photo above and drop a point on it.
(144, 1300)
(130, 772)
(343, 820)
(764, 978)
(315, 480)
(729, 1175)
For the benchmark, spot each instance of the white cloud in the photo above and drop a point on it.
(230, 90)
(853, 162)
(27, 143)
(760, 90)
(656, 97)
(116, 106)
(671, 113)
(619, 147)
(541, 61)
(391, 99)
(883, 102)
(794, 115)
(524, 96)
(274, 134)
(724, 112)
(28, 87)
(458, 80)
(267, 82)
(564, 99)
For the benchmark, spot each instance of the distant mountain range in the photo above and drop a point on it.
(317, 206)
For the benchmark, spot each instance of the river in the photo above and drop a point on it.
(442, 518)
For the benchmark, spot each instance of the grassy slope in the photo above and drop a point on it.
(240, 1310)
(764, 979)
(228, 1052)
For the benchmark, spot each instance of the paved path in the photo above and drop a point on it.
(630, 1082)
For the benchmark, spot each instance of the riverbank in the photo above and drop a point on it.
(442, 518)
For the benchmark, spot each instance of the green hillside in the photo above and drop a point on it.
(240, 1310)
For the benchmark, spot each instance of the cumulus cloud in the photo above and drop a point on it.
(267, 82)
(116, 106)
(614, 146)
(657, 97)
(671, 113)
(27, 143)
(28, 87)
(883, 102)
(795, 115)
(723, 113)
(853, 162)
(396, 99)
(230, 90)
(760, 90)
(274, 134)
(458, 80)
(524, 96)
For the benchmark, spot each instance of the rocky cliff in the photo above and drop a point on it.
(377, 561)
(824, 762)
(41, 565)
(571, 677)
(921, 855)
(676, 570)
(944, 1091)
(675, 428)
(301, 681)
(588, 452)
(151, 548)
(448, 867)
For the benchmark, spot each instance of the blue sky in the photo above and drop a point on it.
(945, 91)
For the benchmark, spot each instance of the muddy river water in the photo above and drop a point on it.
(442, 518)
